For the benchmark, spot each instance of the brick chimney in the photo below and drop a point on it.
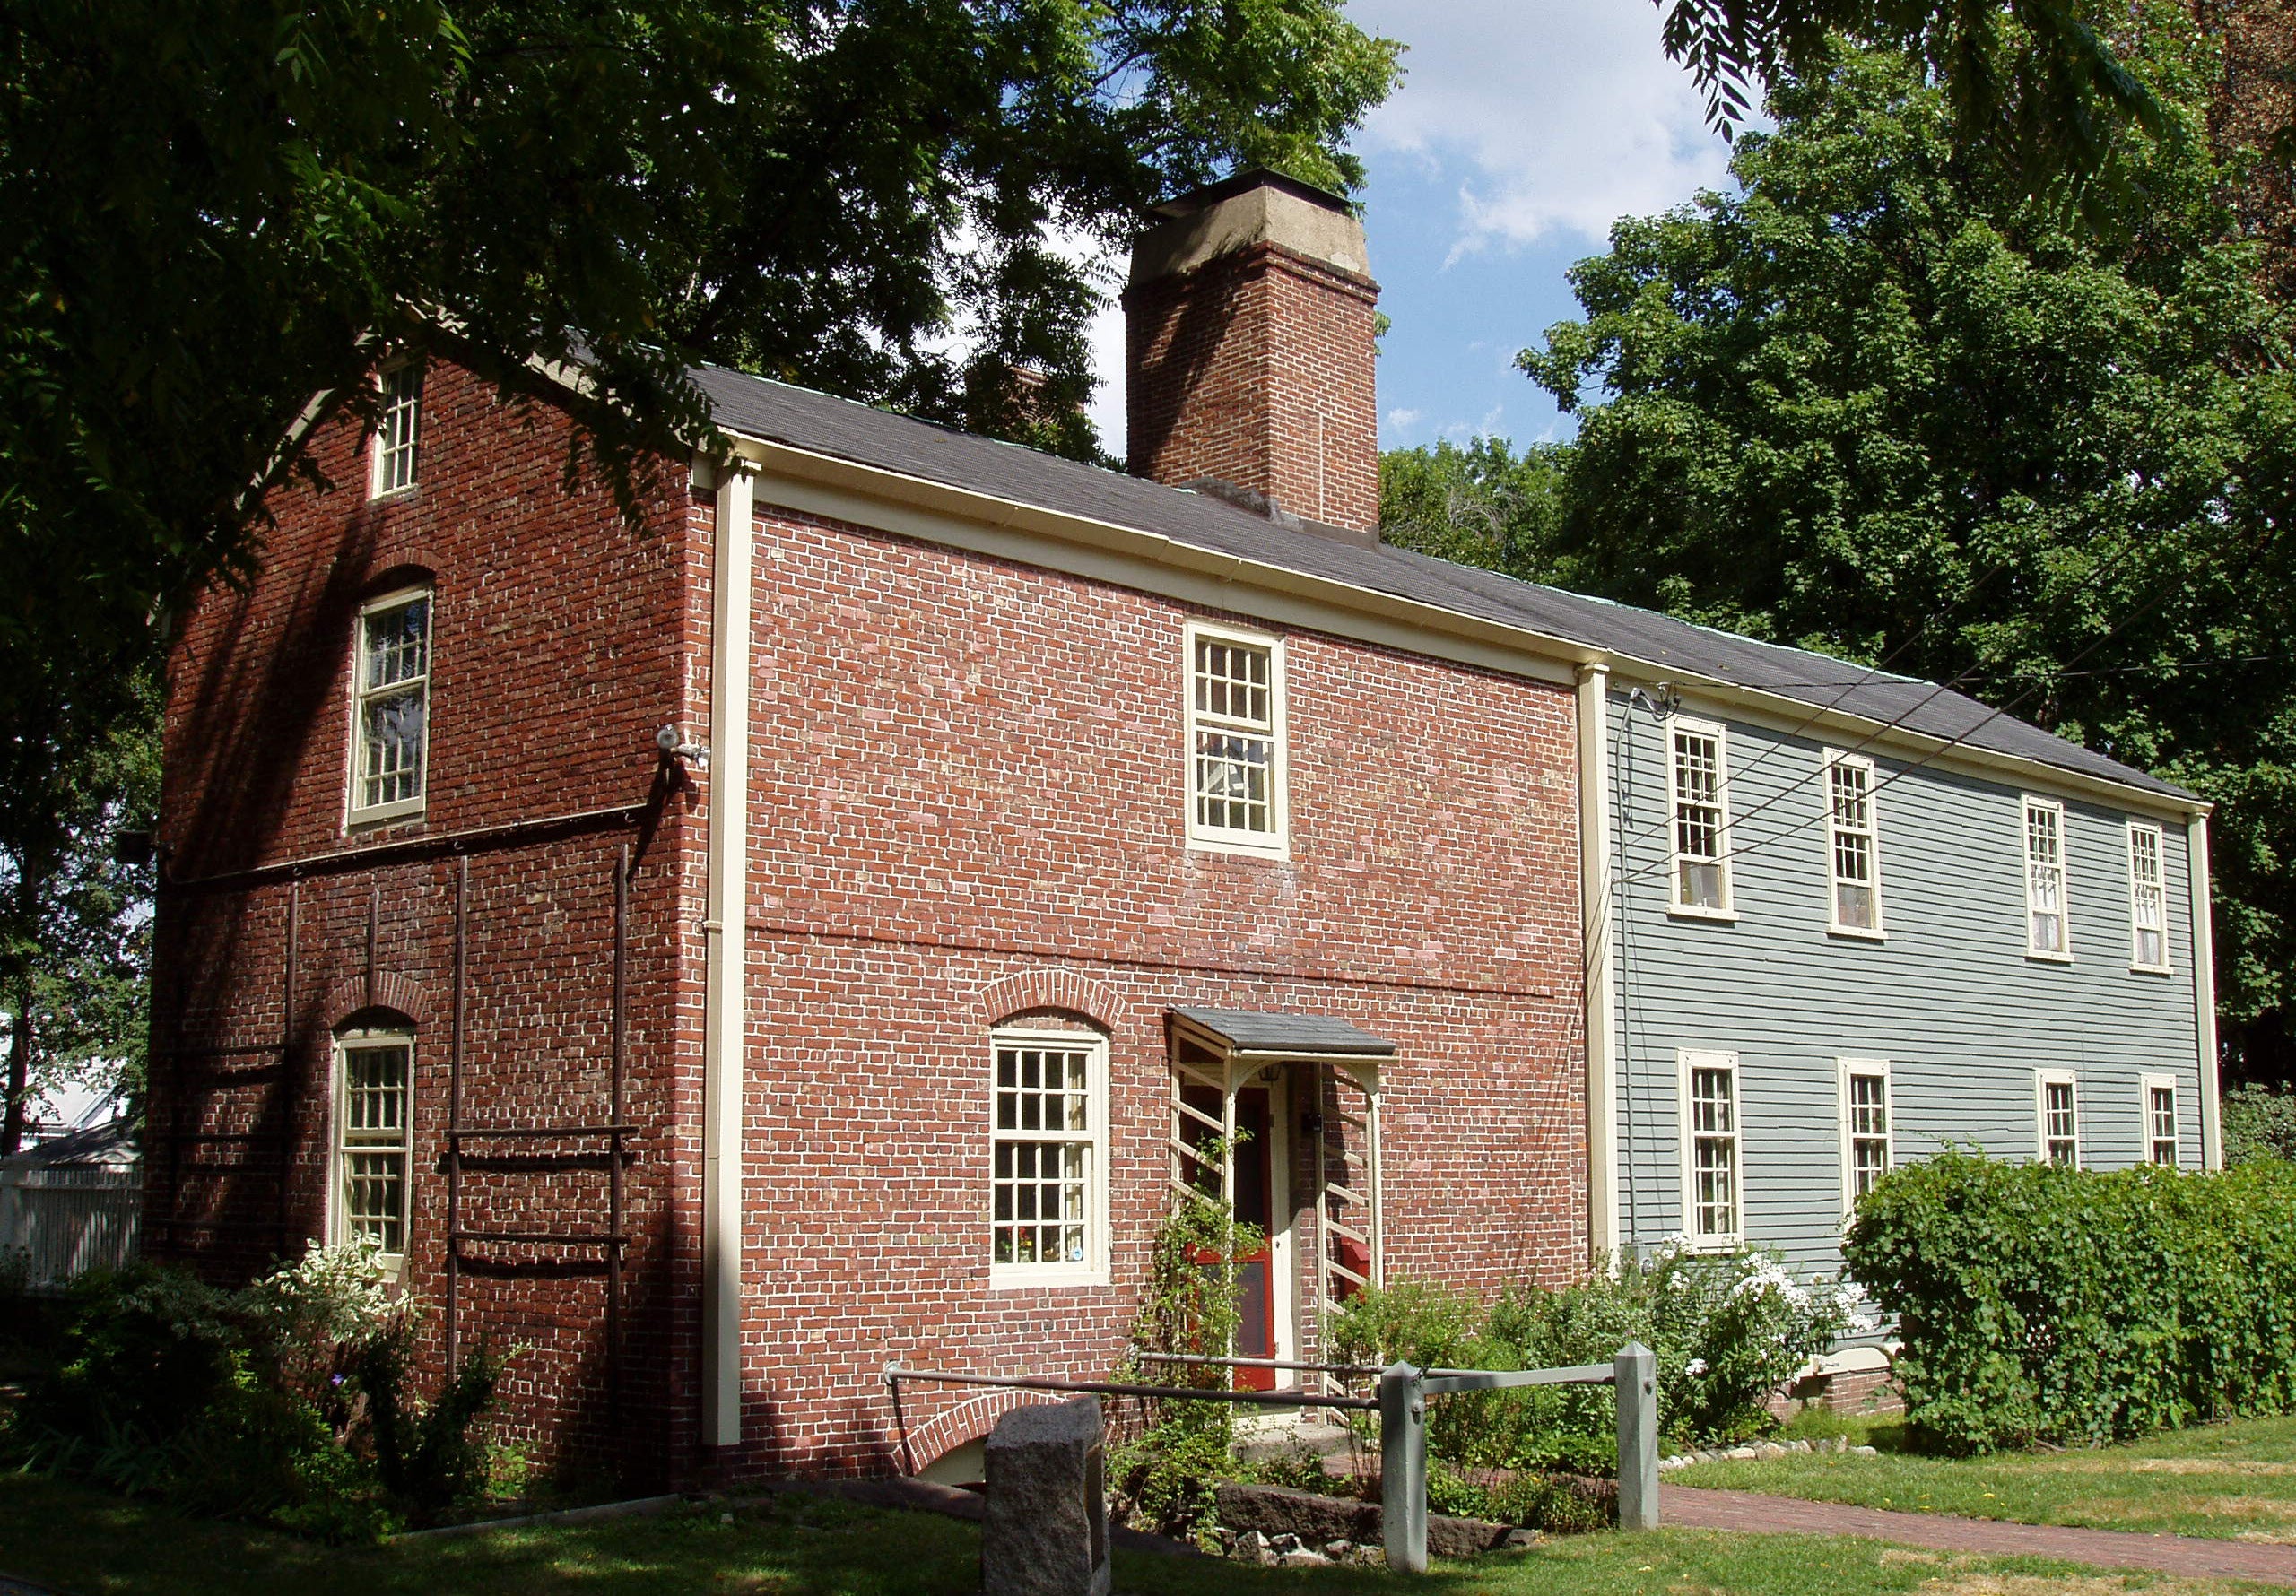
(1247, 350)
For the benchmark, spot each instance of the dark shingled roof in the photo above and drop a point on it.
(1248, 1032)
(820, 423)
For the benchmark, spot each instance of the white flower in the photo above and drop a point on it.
(1694, 1367)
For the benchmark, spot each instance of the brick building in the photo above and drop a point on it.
(724, 966)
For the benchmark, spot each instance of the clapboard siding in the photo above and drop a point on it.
(1950, 999)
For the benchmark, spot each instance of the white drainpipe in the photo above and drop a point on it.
(2203, 993)
(725, 934)
(1595, 844)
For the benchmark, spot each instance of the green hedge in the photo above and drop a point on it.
(2038, 1304)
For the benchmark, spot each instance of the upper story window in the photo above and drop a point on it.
(1047, 1157)
(1235, 735)
(396, 429)
(2160, 1119)
(1709, 1086)
(391, 707)
(1700, 755)
(1854, 845)
(2148, 899)
(2056, 1094)
(374, 1080)
(1865, 1145)
(2047, 929)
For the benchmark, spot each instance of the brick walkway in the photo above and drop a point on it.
(2189, 1554)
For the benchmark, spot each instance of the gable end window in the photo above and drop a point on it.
(2148, 899)
(1699, 758)
(1235, 741)
(1711, 1195)
(1868, 1150)
(2048, 921)
(390, 733)
(1853, 846)
(2057, 1097)
(2160, 1119)
(374, 1082)
(1048, 1157)
(396, 429)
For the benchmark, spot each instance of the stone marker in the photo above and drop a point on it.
(1046, 1531)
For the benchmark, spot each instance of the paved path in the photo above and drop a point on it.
(2193, 1556)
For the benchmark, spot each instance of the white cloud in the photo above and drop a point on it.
(1564, 114)
(1401, 419)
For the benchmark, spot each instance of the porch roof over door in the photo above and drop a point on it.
(1245, 1034)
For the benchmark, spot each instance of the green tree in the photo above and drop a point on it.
(1881, 403)
(1482, 504)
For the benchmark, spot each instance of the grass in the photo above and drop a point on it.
(89, 1544)
(2231, 1481)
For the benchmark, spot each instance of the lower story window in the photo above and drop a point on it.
(1710, 1101)
(1048, 1146)
(1865, 1126)
(2160, 1121)
(2060, 1114)
(375, 1081)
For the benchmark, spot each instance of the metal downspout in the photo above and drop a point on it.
(1600, 969)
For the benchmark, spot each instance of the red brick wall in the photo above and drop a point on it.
(1257, 367)
(559, 646)
(968, 775)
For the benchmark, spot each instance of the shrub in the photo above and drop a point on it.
(2258, 1123)
(2040, 1303)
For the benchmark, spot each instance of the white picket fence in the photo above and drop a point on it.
(66, 1221)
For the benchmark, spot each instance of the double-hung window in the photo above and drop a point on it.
(1235, 741)
(396, 431)
(2148, 899)
(1048, 1150)
(391, 711)
(2058, 1099)
(374, 1080)
(1710, 1164)
(1700, 755)
(1853, 846)
(1865, 1145)
(2048, 927)
(2160, 1119)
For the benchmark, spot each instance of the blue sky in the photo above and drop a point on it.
(1522, 129)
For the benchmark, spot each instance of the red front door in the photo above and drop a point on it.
(1254, 1204)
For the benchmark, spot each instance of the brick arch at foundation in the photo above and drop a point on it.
(968, 1421)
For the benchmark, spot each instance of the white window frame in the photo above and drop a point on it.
(2028, 806)
(1677, 728)
(2149, 1138)
(362, 814)
(340, 1147)
(2042, 1080)
(2159, 885)
(1836, 759)
(387, 452)
(1846, 1070)
(1094, 1269)
(1688, 1062)
(1277, 842)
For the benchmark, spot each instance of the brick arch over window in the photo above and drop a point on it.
(385, 989)
(1027, 990)
(968, 1421)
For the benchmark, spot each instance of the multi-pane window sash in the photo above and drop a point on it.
(2045, 914)
(1232, 738)
(394, 703)
(1702, 879)
(1869, 1132)
(370, 1147)
(2060, 1125)
(1044, 1142)
(2147, 900)
(396, 428)
(2161, 1123)
(1714, 1152)
(1849, 793)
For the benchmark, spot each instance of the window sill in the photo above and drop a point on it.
(1715, 1244)
(1236, 848)
(384, 814)
(1851, 933)
(2162, 970)
(1051, 1277)
(1677, 911)
(384, 498)
(2033, 956)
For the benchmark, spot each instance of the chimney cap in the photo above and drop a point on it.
(1243, 180)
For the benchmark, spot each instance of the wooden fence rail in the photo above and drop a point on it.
(58, 1224)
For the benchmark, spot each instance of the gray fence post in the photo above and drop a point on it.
(1638, 1436)
(1402, 1468)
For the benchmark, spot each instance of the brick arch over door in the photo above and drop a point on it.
(1052, 988)
(385, 989)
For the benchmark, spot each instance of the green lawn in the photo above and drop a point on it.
(2235, 1481)
(92, 1544)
